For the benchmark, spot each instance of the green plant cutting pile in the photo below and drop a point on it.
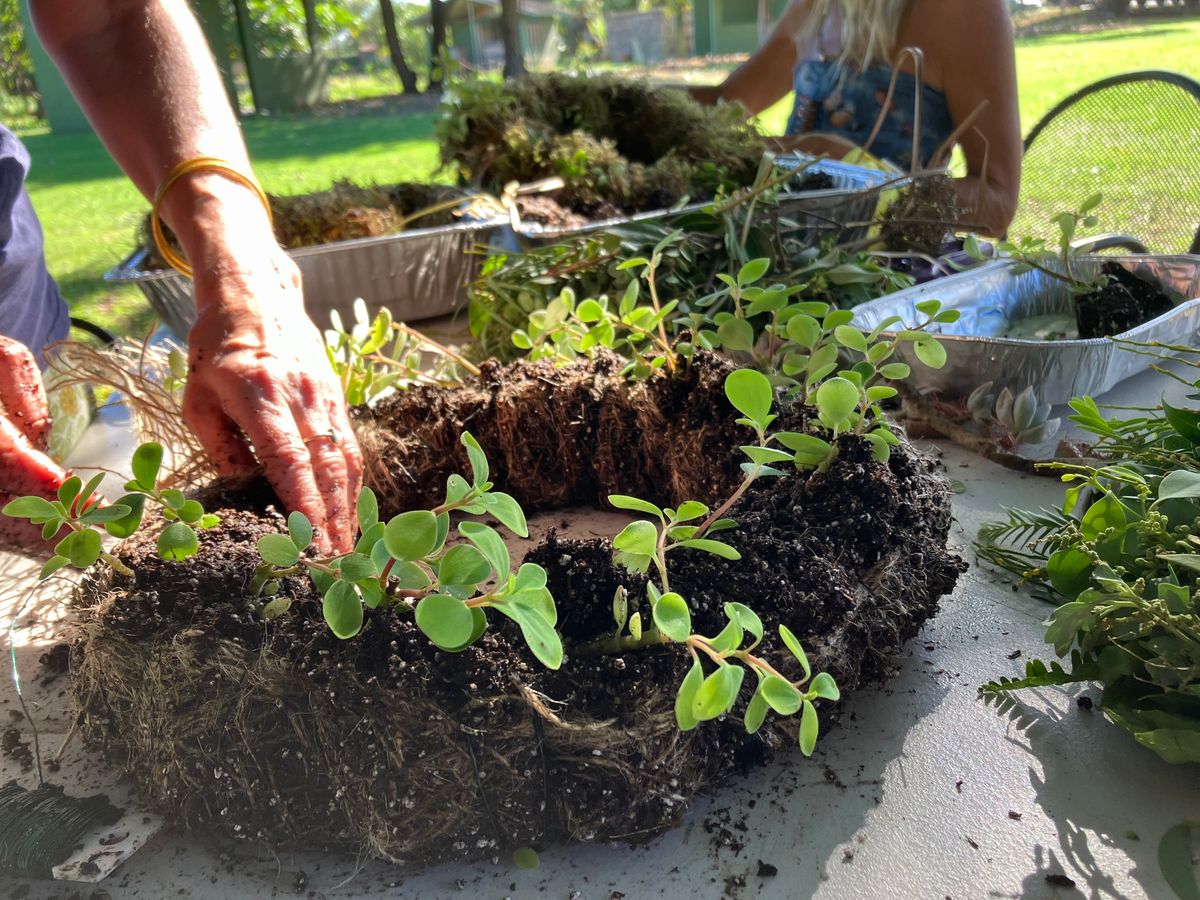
(1122, 557)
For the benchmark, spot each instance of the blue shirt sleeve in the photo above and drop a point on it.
(32, 310)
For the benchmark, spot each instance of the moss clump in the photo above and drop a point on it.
(615, 141)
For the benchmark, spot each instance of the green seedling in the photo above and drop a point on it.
(377, 356)
(646, 544)
(405, 564)
(77, 510)
(566, 329)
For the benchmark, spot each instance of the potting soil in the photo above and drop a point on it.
(1125, 301)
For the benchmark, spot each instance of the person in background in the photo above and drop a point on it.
(260, 390)
(838, 57)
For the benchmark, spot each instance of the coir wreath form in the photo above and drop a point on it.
(279, 731)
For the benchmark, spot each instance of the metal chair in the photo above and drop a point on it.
(1135, 138)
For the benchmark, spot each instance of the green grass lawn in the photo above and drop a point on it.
(90, 212)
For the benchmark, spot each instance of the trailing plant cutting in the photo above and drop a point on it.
(1121, 558)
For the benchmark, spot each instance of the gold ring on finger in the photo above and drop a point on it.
(331, 434)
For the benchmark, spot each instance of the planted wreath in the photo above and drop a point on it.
(427, 696)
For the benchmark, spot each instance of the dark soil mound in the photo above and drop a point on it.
(1125, 302)
(279, 731)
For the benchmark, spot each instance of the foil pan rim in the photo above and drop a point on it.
(129, 270)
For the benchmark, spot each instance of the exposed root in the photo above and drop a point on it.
(141, 375)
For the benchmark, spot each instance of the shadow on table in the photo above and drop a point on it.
(810, 816)
(1082, 794)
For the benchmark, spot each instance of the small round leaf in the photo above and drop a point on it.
(30, 508)
(791, 642)
(357, 566)
(750, 393)
(526, 857)
(145, 464)
(343, 610)
(825, 687)
(84, 548)
(300, 530)
(930, 352)
(808, 728)
(367, 509)
(716, 694)
(672, 617)
(781, 695)
(508, 511)
(411, 535)
(836, 399)
(685, 699)
(463, 564)
(756, 712)
(851, 337)
(178, 541)
(277, 549)
(445, 620)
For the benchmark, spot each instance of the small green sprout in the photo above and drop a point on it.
(702, 697)
(368, 367)
(404, 563)
(643, 544)
(1058, 262)
(807, 347)
(77, 510)
(567, 329)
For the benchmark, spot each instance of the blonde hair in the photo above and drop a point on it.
(869, 27)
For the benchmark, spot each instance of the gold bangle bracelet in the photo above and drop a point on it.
(187, 167)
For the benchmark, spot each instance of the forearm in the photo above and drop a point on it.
(764, 78)
(987, 206)
(135, 62)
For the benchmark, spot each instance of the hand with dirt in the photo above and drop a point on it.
(259, 376)
(25, 469)
(259, 382)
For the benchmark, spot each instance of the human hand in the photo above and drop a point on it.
(25, 469)
(259, 378)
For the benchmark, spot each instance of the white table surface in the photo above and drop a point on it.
(923, 791)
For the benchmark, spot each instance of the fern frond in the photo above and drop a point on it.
(1023, 527)
(1038, 674)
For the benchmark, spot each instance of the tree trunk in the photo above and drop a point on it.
(437, 42)
(510, 30)
(310, 25)
(245, 42)
(408, 78)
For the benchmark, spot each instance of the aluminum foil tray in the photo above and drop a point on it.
(993, 296)
(417, 274)
(852, 199)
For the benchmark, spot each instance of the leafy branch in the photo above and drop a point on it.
(405, 564)
(644, 544)
(378, 355)
(78, 510)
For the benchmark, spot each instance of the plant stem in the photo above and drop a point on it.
(725, 507)
(619, 643)
(441, 348)
(742, 197)
(116, 565)
(662, 328)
